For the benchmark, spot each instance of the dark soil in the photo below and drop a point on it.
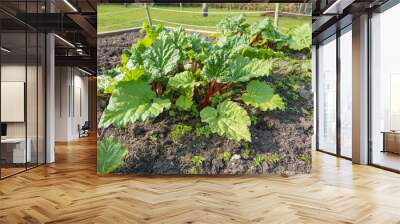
(110, 48)
(152, 150)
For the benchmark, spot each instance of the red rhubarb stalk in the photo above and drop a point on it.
(213, 89)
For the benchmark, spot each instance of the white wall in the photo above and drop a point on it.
(79, 117)
(61, 103)
(70, 83)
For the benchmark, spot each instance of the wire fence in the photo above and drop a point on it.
(210, 12)
(231, 12)
(181, 24)
(137, 22)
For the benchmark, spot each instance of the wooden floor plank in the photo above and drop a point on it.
(69, 191)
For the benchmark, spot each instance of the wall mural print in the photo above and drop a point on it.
(209, 89)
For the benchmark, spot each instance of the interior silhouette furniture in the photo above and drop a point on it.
(84, 130)
(391, 141)
(13, 151)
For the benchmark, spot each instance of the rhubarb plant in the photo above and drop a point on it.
(184, 103)
(301, 38)
(215, 81)
(132, 101)
(110, 155)
(261, 95)
(228, 119)
(161, 59)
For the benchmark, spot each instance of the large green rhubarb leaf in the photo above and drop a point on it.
(133, 74)
(258, 53)
(110, 155)
(237, 68)
(243, 69)
(267, 29)
(261, 95)
(105, 84)
(184, 103)
(301, 37)
(183, 80)
(108, 79)
(234, 25)
(136, 56)
(269, 34)
(152, 32)
(132, 101)
(216, 65)
(229, 43)
(228, 119)
(161, 59)
(178, 37)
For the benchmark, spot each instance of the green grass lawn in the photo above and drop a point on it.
(111, 17)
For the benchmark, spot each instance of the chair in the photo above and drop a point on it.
(84, 130)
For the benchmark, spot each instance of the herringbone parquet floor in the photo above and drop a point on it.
(69, 191)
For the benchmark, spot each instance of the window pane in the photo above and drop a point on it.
(14, 153)
(41, 99)
(327, 96)
(385, 89)
(346, 93)
(31, 97)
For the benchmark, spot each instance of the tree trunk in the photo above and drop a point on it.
(205, 10)
(307, 9)
(300, 8)
(148, 14)
(276, 17)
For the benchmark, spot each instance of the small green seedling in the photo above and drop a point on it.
(179, 131)
(258, 160)
(172, 113)
(226, 156)
(245, 145)
(253, 119)
(305, 158)
(246, 154)
(193, 171)
(272, 159)
(197, 160)
(205, 130)
(270, 125)
(153, 137)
